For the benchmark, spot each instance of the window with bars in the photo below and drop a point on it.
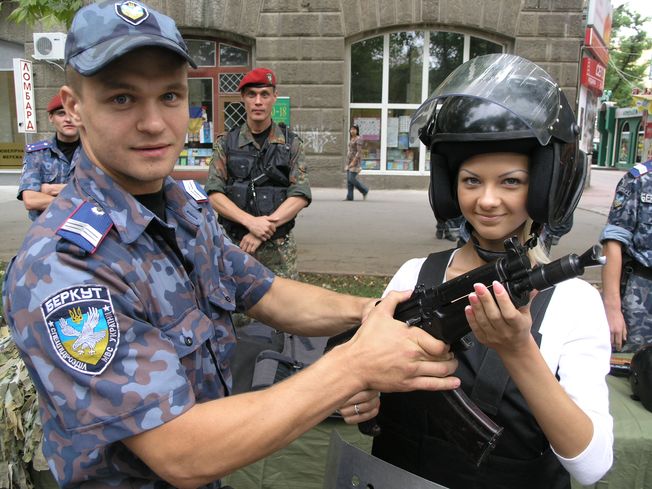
(215, 105)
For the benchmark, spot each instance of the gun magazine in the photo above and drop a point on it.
(468, 427)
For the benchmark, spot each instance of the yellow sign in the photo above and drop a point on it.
(11, 155)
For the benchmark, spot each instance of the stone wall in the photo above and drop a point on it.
(305, 43)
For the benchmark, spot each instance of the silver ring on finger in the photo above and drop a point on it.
(356, 408)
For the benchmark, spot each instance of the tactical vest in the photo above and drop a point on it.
(257, 180)
(413, 436)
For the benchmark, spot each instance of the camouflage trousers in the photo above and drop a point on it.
(280, 256)
(637, 311)
(22, 464)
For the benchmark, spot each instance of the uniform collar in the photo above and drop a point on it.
(129, 216)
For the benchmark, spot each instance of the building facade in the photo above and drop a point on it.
(340, 62)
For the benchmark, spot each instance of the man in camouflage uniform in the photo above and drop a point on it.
(47, 165)
(627, 241)
(119, 301)
(257, 182)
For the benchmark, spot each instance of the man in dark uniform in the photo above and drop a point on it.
(627, 242)
(47, 165)
(258, 181)
(120, 300)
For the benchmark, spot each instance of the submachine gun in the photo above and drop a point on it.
(440, 312)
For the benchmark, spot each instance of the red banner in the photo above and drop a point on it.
(593, 74)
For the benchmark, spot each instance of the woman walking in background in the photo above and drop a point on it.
(353, 167)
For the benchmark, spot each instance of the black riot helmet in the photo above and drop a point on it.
(503, 103)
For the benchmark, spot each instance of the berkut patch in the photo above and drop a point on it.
(82, 327)
(132, 12)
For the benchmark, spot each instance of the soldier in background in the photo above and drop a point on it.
(627, 276)
(258, 181)
(48, 164)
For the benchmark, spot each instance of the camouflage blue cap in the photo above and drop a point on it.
(103, 32)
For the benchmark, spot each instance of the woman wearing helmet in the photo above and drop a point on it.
(504, 155)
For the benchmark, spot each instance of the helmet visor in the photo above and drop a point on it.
(514, 83)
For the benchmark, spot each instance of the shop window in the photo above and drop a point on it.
(446, 54)
(482, 46)
(405, 67)
(623, 150)
(401, 155)
(391, 75)
(368, 120)
(367, 70)
(233, 56)
(213, 97)
(202, 52)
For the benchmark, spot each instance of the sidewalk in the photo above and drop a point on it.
(375, 236)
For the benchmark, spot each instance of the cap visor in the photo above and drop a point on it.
(92, 60)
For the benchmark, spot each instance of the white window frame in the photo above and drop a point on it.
(385, 106)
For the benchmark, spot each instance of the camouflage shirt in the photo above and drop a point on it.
(217, 173)
(630, 217)
(120, 329)
(44, 162)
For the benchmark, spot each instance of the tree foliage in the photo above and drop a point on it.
(629, 38)
(48, 12)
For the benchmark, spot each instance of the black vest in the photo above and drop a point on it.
(257, 180)
(412, 436)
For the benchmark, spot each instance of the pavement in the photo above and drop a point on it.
(375, 236)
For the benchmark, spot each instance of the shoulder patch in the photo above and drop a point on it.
(193, 189)
(38, 145)
(641, 169)
(82, 327)
(86, 226)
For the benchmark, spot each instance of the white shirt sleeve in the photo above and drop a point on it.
(406, 276)
(576, 346)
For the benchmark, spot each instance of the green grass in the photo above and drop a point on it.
(360, 285)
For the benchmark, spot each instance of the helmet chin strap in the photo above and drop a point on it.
(491, 255)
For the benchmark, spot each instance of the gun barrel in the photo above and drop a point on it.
(564, 268)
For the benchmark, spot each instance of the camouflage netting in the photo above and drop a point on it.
(20, 424)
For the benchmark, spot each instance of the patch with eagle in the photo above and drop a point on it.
(82, 327)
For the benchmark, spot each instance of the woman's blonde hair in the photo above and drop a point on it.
(538, 254)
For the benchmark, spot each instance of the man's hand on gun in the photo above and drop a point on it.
(381, 345)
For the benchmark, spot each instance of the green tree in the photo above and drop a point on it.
(629, 38)
(49, 12)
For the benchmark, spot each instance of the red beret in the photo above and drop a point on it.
(54, 104)
(259, 77)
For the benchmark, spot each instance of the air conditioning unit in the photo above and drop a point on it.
(49, 45)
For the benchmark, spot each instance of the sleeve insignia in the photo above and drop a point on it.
(82, 327)
(619, 201)
(194, 190)
(86, 226)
